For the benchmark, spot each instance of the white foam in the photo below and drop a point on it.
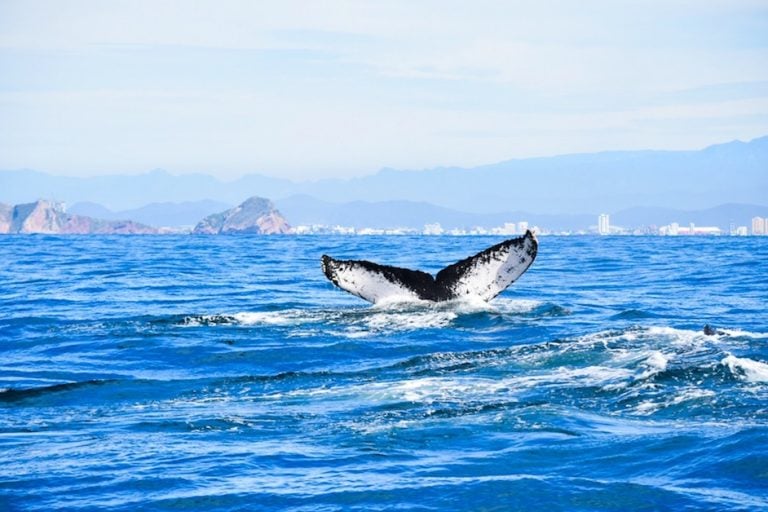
(288, 317)
(516, 306)
(666, 338)
(677, 337)
(399, 302)
(469, 304)
(655, 363)
(392, 317)
(648, 407)
(751, 370)
(427, 390)
(432, 389)
(746, 334)
(197, 321)
(691, 394)
(408, 320)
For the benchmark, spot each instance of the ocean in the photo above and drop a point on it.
(226, 373)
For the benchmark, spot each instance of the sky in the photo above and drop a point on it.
(318, 89)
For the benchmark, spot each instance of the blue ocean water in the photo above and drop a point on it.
(226, 373)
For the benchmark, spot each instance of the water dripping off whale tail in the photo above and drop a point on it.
(484, 275)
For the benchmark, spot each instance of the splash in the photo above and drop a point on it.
(748, 369)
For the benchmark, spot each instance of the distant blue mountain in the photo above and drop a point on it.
(155, 214)
(726, 173)
(721, 216)
(409, 214)
(735, 172)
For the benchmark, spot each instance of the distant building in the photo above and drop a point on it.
(742, 231)
(370, 231)
(433, 229)
(507, 229)
(522, 226)
(675, 229)
(759, 226)
(604, 224)
(692, 229)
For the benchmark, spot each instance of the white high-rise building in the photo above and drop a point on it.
(522, 226)
(507, 229)
(604, 224)
(759, 226)
(433, 229)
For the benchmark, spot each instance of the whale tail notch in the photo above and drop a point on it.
(484, 275)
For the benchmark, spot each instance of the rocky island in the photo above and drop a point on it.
(50, 217)
(256, 215)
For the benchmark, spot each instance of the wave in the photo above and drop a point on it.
(633, 314)
(389, 317)
(748, 369)
(20, 394)
(633, 371)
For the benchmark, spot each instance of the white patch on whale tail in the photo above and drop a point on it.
(491, 271)
(374, 283)
(483, 275)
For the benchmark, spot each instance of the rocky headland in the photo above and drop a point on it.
(256, 215)
(50, 217)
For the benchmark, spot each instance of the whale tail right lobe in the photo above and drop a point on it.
(489, 272)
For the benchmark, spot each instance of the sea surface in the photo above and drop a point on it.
(226, 373)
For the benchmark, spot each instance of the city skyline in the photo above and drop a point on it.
(519, 227)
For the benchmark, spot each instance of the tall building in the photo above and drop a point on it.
(604, 224)
(759, 226)
(433, 229)
(522, 226)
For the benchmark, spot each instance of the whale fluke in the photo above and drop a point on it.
(484, 275)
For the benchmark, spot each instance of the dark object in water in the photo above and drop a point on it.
(711, 331)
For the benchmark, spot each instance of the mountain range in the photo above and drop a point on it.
(307, 210)
(734, 172)
(166, 214)
(409, 214)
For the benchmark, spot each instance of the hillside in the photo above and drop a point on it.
(256, 215)
(48, 217)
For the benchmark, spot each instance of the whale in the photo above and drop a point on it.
(484, 275)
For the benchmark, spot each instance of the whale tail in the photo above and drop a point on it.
(484, 275)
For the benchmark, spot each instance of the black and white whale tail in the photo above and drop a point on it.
(484, 275)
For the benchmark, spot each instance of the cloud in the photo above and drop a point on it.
(344, 87)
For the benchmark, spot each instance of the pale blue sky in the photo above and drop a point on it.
(307, 90)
